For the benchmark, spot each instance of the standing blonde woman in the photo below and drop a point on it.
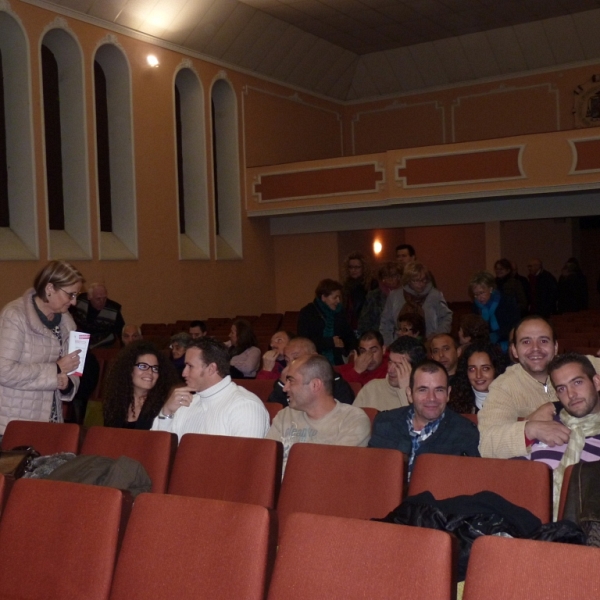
(34, 339)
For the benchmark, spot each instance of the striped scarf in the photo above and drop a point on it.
(581, 428)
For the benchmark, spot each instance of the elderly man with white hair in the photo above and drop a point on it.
(95, 314)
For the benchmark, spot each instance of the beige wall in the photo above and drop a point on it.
(277, 125)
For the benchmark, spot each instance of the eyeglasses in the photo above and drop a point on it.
(72, 295)
(145, 366)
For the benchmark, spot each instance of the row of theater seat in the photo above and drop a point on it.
(335, 480)
(71, 541)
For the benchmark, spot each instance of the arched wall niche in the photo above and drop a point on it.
(73, 241)
(19, 233)
(119, 239)
(194, 241)
(226, 171)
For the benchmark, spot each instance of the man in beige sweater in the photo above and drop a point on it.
(314, 416)
(524, 392)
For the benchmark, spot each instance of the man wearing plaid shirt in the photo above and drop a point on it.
(426, 425)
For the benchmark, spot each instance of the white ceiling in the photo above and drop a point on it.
(359, 49)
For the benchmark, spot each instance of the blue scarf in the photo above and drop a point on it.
(488, 313)
(328, 330)
(418, 437)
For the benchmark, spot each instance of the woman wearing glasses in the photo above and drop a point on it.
(139, 383)
(34, 341)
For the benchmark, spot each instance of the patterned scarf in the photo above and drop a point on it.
(54, 326)
(581, 428)
(418, 437)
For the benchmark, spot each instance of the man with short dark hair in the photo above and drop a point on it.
(426, 426)
(388, 393)
(197, 329)
(99, 316)
(444, 348)
(211, 402)
(370, 361)
(314, 416)
(405, 254)
(524, 392)
(543, 289)
(577, 386)
(300, 346)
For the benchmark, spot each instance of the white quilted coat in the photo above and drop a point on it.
(28, 355)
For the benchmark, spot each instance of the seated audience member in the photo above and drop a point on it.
(197, 329)
(95, 314)
(356, 285)
(523, 391)
(314, 416)
(131, 333)
(179, 344)
(411, 324)
(138, 384)
(479, 364)
(426, 426)
(273, 360)
(388, 393)
(417, 294)
(508, 285)
(211, 403)
(370, 361)
(324, 322)
(299, 347)
(473, 328)
(445, 350)
(389, 280)
(498, 310)
(244, 353)
(577, 386)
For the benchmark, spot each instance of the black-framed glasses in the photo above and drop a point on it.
(145, 366)
(72, 295)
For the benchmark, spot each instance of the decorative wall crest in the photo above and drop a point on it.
(586, 104)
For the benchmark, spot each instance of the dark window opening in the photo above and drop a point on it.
(102, 149)
(215, 176)
(4, 206)
(52, 131)
(180, 175)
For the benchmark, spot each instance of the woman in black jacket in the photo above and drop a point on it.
(323, 321)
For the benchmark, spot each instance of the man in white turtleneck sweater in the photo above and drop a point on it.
(211, 402)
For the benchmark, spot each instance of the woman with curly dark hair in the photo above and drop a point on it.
(480, 363)
(137, 386)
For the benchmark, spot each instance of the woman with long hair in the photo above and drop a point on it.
(139, 383)
(244, 352)
(480, 363)
(34, 339)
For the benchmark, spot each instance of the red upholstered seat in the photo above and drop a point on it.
(154, 449)
(59, 540)
(261, 387)
(228, 468)
(184, 548)
(331, 558)
(522, 482)
(46, 438)
(343, 481)
(501, 568)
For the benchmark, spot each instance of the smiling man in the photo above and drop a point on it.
(524, 392)
(425, 426)
(211, 402)
(314, 416)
